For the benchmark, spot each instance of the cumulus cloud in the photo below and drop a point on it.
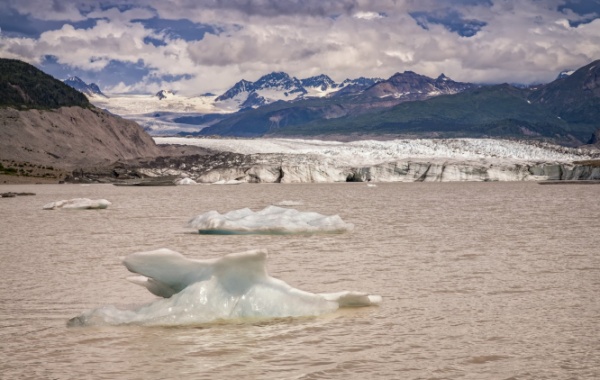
(221, 42)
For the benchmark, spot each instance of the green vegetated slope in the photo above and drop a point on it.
(575, 99)
(500, 110)
(277, 116)
(23, 86)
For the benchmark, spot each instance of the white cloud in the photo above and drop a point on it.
(522, 41)
(367, 15)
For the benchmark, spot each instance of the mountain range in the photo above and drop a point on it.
(280, 86)
(50, 130)
(565, 111)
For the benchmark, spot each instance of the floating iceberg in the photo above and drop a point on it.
(78, 204)
(185, 181)
(270, 220)
(229, 182)
(289, 203)
(235, 286)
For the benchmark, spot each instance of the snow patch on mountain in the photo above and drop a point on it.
(165, 94)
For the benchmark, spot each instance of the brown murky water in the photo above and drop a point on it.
(479, 281)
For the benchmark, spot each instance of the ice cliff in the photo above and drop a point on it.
(292, 161)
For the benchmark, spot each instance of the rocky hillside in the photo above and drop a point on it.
(71, 137)
(45, 122)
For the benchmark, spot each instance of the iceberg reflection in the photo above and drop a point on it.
(270, 220)
(201, 291)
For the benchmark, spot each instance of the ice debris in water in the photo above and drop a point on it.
(234, 286)
(270, 220)
(78, 204)
(229, 182)
(185, 181)
(290, 203)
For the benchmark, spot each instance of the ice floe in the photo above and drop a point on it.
(78, 204)
(235, 286)
(270, 220)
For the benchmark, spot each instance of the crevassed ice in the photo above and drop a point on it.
(202, 291)
(78, 203)
(370, 152)
(270, 220)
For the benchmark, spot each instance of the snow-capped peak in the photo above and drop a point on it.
(74, 79)
(164, 94)
(565, 73)
(90, 90)
(323, 82)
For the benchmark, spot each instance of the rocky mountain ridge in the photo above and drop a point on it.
(565, 111)
(281, 86)
(89, 90)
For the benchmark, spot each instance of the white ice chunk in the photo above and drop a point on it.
(78, 203)
(270, 220)
(229, 182)
(290, 203)
(185, 181)
(201, 291)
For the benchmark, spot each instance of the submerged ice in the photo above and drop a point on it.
(270, 220)
(78, 204)
(201, 291)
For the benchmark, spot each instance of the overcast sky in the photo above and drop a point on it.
(197, 46)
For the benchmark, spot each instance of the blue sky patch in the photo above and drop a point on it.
(14, 24)
(178, 29)
(451, 20)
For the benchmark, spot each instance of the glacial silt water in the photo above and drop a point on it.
(479, 281)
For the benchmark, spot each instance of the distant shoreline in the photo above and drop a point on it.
(23, 180)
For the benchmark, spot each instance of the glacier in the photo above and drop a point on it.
(278, 160)
(78, 204)
(270, 220)
(233, 287)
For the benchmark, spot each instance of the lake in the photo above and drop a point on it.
(479, 281)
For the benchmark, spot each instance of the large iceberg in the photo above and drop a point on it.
(78, 204)
(270, 220)
(235, 286)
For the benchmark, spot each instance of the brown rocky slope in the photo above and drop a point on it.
(71, 137)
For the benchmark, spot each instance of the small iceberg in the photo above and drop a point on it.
(185, 181)
(270, 220)
(78, 204)
(233, 287)
(289, 203)
(229, 182)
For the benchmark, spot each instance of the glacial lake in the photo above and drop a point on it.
(479, 281)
